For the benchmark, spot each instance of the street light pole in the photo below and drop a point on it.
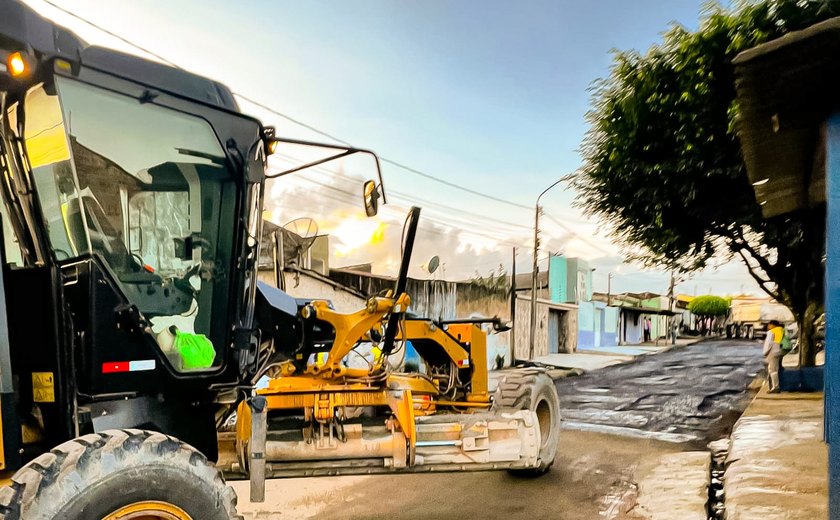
(535, 271)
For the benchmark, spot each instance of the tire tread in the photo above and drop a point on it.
(76, 455)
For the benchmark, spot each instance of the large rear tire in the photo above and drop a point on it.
(532, 389)
(119, 474)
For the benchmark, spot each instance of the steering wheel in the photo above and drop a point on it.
(411, 222)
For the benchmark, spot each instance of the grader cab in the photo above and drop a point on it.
(137, 347)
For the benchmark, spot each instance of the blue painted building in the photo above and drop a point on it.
(570, 281)
(789, 127)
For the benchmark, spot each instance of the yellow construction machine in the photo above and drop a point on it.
(139, 355)
(316, 415)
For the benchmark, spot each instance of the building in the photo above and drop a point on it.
(305, 273)
(556, 324)
(570, 283)
(631, 310)
(789, 130)
(556, 327)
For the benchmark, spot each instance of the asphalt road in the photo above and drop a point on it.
(691, 394)
(656, 408)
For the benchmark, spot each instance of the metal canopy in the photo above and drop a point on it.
(785, 90)
(646, 310)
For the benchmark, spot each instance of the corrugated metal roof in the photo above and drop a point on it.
(785, 90)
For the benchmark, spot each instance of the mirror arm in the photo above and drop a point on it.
(345, 151)
(311, 164)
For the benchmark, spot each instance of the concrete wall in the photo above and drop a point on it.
(523, 334)
(659, 324)
(570, 280)
(307, 287)
(434, 299)
(610, 323)
(472, 299)
(434, 296)
(597, 325)
(633, 328)
(586, 324)
(558, 283)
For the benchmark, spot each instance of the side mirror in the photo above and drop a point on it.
(370, 194)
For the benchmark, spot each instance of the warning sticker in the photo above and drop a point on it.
(43, 387)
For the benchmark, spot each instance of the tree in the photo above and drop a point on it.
(709, 306)
(495, 281)
(663, 166)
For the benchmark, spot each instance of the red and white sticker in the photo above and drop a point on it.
(140, 365)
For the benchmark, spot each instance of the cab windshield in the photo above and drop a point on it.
(146, 189)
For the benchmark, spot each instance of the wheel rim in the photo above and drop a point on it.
(543, 411)
(149, 510)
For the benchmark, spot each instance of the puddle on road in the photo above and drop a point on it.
(595, 390)
(620, 499)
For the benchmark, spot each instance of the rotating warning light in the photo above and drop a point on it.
(16, 64)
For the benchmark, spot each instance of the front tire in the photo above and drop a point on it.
(119, 474)
(529, 389)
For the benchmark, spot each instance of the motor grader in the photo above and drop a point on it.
(140, 358)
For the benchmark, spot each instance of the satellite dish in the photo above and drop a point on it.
(433, 264)
(298, 237)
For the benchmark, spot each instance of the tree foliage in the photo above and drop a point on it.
(663, 166)
(496, 280)
(709, 306)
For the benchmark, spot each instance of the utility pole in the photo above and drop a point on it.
(609, 291)
(671, 308)
(534, 275)
(513, 310)
(534, 271)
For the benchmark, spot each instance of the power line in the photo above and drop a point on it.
(576, 235)
(465, 227)
(323, 133)
(113, 34)
(290, 118)
(483, 219)
(293, 120)
(462, 229)
(453, 185)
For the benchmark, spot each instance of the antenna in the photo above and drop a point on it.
(298, 237)
(433, 264)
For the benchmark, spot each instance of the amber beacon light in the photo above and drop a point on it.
(16, 64)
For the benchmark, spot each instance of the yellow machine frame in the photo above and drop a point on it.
(322, 388)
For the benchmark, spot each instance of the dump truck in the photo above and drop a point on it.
(141, 361)
(748, 318)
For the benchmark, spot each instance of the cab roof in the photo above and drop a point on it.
(21, 28)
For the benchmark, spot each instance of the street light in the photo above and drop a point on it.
(534, 271)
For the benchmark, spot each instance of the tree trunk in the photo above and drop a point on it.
(807, 332)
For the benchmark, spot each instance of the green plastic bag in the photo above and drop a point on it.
(196, 350)
(786, 344)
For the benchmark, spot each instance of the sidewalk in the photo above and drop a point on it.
(593, 358)
(777, 467)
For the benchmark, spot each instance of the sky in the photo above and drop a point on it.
(489, 94)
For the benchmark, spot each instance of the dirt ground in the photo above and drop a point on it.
(634, 448)
(594, 476)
